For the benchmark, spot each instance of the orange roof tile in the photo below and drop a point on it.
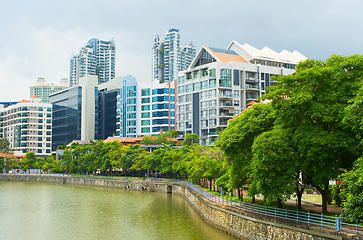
(34, 96)
(226, 58)
(24, 101)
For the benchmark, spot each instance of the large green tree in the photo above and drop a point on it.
(237, 139)
(310, 104)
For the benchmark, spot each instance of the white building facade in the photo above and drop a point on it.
(220, 83)
(28, 126)
(42, 90)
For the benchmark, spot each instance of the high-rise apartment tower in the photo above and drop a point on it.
(169, 57)
(96, 58)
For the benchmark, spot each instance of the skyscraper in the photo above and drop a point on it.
(169, 57)
(96, 58)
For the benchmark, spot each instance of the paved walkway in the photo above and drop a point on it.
(313, 206)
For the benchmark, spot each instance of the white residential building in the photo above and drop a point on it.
(28, 126)
(42, 90)
(169, 57)
(97, 57)
(220, 83)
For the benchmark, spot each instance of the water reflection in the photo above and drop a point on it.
(52, 211)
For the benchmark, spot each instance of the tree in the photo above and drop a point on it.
(310, 104)
(237, 139)
(274, 171)
(5, 148)
(351, 190)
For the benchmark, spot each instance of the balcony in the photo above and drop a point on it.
(252, 87)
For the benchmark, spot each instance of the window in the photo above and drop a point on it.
(212, 83)
(212, 72)
(40, 115)
(196, 86)
(225, 80)
(131, 91)
(212, 122)
(145, 100)
(212, 103)
(131, 108)
(236, 77)
(188, 107)
(204, 95)
(49, 133)
(181, 80)
(39, 144)
(204, 104)
(145, 122)
(145, 130)
(145, 115)
(236, 93)
(131, 115)
(145, 108)
(204, 84)
(182, 99)
(181, 117)
(196, 74)
(188, 98)
(236, 102)
(205, 72)
(145, 92)
(212, 93)
(212, 112)
(181, 89)
(131, 101)
(204, 113)
(204, 123)
(181, 108)
(40, 121)
(188, 88)
(40, 138)
(189, 76)
(40, 133)
(188, 116)
(48, 139)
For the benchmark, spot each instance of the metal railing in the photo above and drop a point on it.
(297, 216)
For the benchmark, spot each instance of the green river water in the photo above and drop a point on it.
(55, 211)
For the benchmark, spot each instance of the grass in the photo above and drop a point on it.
(312, 198)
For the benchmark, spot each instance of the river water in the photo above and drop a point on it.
(55, 211)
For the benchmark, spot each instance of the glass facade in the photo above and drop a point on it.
(67, 109)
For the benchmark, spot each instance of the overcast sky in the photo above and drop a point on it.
(39, 37)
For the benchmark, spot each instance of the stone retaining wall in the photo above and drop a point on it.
(238, 224)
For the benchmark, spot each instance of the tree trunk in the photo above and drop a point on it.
(279, 203)
(253, 199)
(299, 193)
(324, 196)
(240, 194)
(210, 185)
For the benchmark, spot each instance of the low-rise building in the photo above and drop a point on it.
(28, 126)
(220, 83)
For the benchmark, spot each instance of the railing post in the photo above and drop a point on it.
(265, 211)
(338, 225)
(356, 225)
(308, 217)
(275, 211)
(297, 215)
(321, 220)
(245, 206)
(285, 214)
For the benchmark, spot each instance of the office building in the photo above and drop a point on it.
(75, 115)
(97, 57)
(221, 82)
(28, 126)
(42, 90)
(157, 108)
(169, 57)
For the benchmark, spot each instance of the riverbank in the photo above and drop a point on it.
(238, 223)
